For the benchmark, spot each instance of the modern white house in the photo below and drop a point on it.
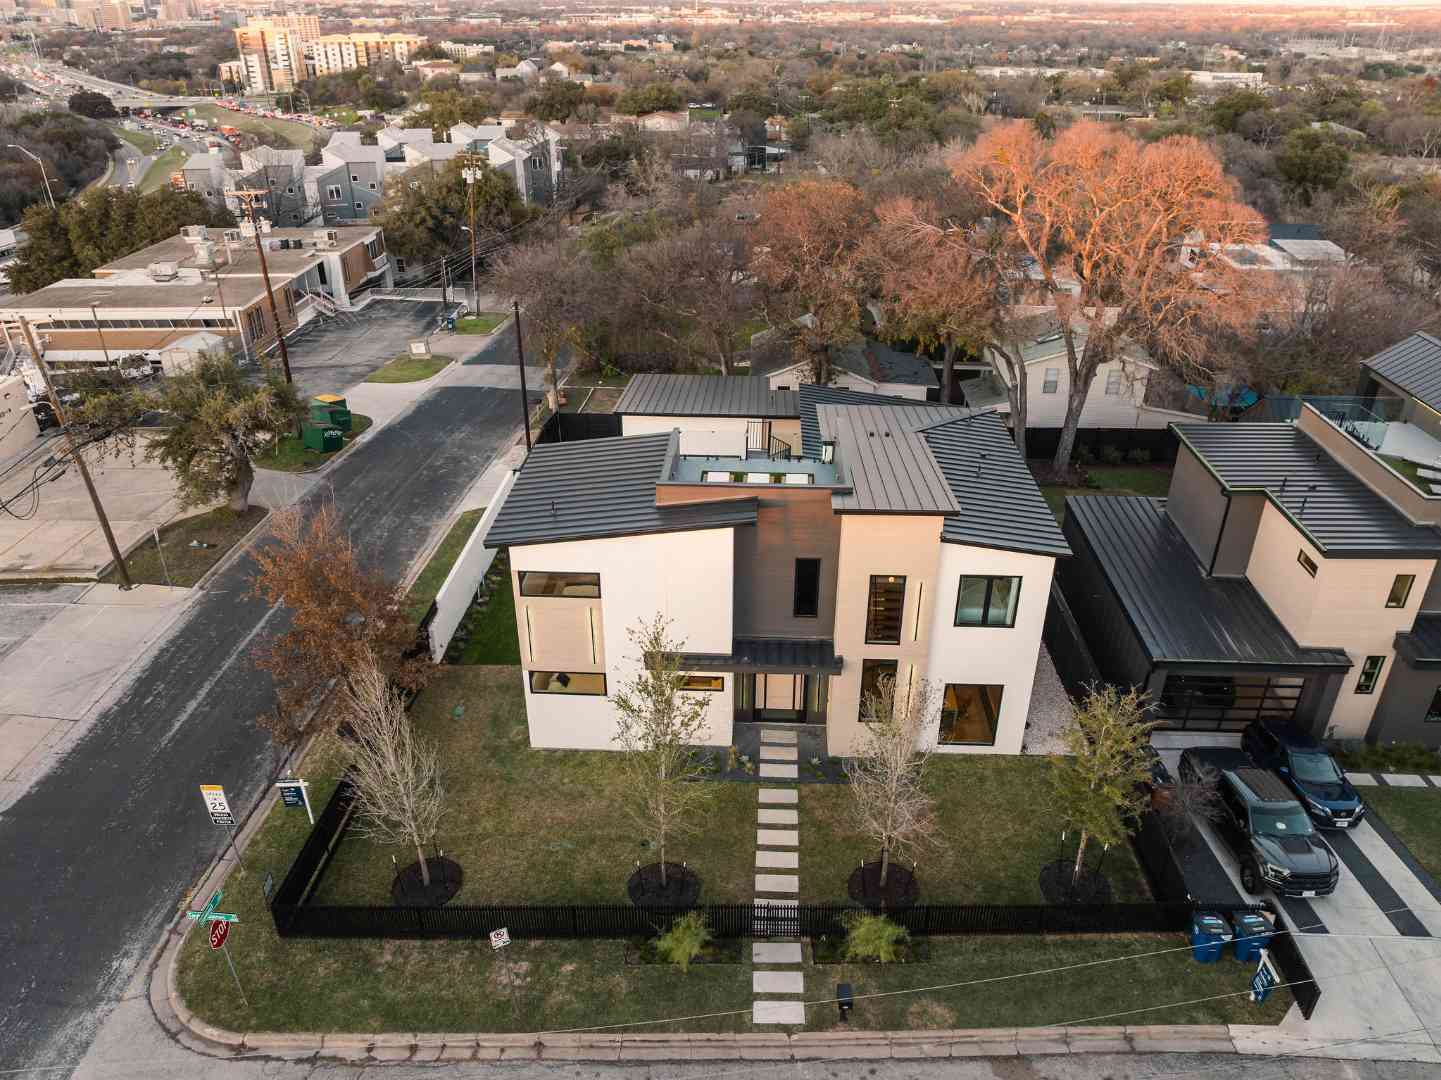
(900, 539)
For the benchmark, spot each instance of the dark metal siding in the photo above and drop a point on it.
(1414, 365)
(1401, 713)
(1114, 644)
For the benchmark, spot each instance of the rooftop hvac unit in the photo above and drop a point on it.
(164, 271)
(205, 255)
(247, 229)
(233, 235)
(195, 232)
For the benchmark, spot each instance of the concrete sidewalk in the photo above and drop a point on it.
(80, 643)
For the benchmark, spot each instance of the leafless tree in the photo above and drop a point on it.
(888, 793)
(1186, 801)
(657, 725)
(396, 772)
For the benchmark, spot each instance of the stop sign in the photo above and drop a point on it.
(219, 931)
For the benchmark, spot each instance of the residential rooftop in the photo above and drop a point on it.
(863, 356)
(1180, 614)
(1414, 366)
(1334, 508)
(714, 469)
(888, 465)
(738, 396)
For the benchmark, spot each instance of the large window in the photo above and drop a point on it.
(884, 609)
(1370, 674)
(872, 672)
(590, 683)
(807, 604)
(544, 583)
(987, 601)
(968, 714)
(1400, 590)
(707, 683)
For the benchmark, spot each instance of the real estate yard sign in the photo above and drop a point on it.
(1266, 979)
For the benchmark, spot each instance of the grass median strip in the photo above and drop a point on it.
(406, 368)
(428, 584)
(485, 322)
(189, 547)
(1414, 815)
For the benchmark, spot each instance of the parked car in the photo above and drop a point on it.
(1264, 826)
(1308, 769)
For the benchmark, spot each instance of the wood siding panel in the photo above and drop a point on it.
(792, 525)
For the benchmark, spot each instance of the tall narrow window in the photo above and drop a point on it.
(1370, 674)
(885, 608)
(987, 601)
(1400, 590)
(1052, 381)
(1308, 564)
(807, 604)
(1113, 382)
(872, 672)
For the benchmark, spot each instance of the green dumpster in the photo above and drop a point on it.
(330, 409)
(325, 439)
(333, 439)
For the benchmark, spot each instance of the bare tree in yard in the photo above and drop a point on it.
(888, 773)
(657, 724)
(399, 797)
(696, 282)
(1188, 800)
(344, 619)
(1099, 786)
(1125, 240)
(813, 230)
(554, 285)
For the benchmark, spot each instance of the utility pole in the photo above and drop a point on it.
(100, 335)
(472, 172)
(520, 359)
(121, 568)
(248, 197)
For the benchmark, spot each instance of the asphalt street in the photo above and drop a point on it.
(96, 857)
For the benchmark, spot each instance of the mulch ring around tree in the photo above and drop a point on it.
(681, 888)
(409, 889)
(1057, 886)
(901, 889)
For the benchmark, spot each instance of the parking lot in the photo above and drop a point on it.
(330, 355)
(1374, 944)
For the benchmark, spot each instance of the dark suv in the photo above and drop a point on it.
(1264, 826)
(1308, 770)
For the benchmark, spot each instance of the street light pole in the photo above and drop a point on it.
(43, 174)
(471, 172)
(121, 568)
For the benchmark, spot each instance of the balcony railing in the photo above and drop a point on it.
(1363, 418)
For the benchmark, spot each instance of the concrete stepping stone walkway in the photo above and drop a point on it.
(776, 976)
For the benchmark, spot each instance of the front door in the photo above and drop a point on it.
(781, 699)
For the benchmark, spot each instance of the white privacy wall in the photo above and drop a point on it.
(465, 576)
(719, 436)
(686, 576)
(989, 655)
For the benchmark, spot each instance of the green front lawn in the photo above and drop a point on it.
(539, 826)
(996, 832)
(428, 584)
(289, 454)
(1153, 481)
(485, 322)
(1414, 815)
(219, 530)
(406, 368)
(1400, 757)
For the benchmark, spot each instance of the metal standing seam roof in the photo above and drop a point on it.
(811, 395)
(1001, 506)
(888, 466)
(774, 655)
(1341, 515)
(1414, 365)
(602, 488)
(748, 396)
(1180, 614)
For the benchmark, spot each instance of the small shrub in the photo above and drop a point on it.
(1139, 456)
(1083, 455)
(873, 937)
(684, 941)
(732, 759)
(1112, 455)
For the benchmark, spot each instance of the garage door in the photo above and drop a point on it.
(1226, 702)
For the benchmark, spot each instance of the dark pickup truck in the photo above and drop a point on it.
(1267, 830)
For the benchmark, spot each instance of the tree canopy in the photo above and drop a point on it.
(422, 211)
(93, 104)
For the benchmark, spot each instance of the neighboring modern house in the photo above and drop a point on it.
(1289, 573)
(198, 291)
(909, 541)
(1399, 408)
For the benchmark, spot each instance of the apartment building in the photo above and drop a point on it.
(198, 291)
(902, 540)
(330, 54)
(278, 173)
(272, 51)
(1289, 572)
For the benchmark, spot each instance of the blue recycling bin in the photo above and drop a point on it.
(1209, 935)
(1253, 933)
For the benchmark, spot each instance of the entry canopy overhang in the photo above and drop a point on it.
(772, 656)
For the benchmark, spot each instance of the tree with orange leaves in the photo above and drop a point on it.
(1124, 239)
(345, 618)
(813, 231)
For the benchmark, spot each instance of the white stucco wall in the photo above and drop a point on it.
(686, 576)
(721, 436)
(985, 655)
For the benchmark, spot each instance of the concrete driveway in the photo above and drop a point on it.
(1374, 946)
(330, 355)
